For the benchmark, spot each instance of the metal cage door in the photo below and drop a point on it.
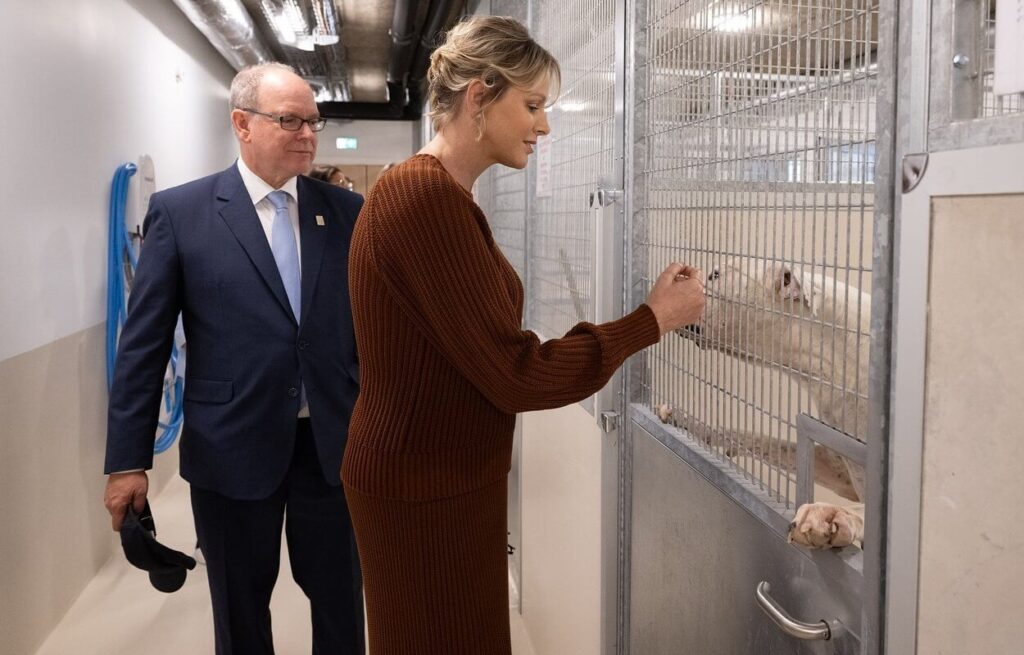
(761, 152)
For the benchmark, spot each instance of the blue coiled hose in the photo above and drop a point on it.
(122, 261)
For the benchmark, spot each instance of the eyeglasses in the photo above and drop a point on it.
(291, 123)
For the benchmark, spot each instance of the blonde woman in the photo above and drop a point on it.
(445, 365)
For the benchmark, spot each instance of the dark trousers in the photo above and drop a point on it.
(241, 541)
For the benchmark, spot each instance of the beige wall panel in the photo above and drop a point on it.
(380, 142)
(372, 173)
(56, 533)
(972, 539)
(561, 539)
(356, 173)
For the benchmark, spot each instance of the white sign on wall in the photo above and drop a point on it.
(1009, 60)
(543, 166)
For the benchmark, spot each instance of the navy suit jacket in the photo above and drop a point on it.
(206, 255)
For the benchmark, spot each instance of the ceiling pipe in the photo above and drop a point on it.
(403, 39)
(228, 26)
(331, 50)
(327, 23)
(406, 70)
(442, 13)
(403, 46)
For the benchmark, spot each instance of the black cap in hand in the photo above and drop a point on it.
(166, 567)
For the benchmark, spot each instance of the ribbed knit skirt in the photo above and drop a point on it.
(435, 573)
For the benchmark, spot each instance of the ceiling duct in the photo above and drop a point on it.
(229, 28)
(341, 47)
(407, 64)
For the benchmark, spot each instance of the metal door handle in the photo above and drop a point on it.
(811, 631)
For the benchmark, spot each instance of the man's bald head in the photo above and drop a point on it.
(245, 88)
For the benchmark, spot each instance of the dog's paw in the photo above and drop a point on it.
(821, 525)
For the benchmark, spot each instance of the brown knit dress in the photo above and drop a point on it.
(444, 368)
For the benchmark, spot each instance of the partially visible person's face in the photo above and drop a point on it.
(338, 179)
(514, 121)
(276, 154)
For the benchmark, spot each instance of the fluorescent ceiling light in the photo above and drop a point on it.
(285, 33)
(296, 18)
(732, 22)
(322, 38)
(572, 106)
(289, 23)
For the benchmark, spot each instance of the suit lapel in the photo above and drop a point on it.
(240, 215)
(313, 234)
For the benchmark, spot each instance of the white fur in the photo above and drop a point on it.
(816, 327)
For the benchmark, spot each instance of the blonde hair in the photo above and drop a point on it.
(496, 50)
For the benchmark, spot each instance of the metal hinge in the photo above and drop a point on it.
(609, 421)
(914, 167)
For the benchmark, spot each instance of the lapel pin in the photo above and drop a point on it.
(320, 220)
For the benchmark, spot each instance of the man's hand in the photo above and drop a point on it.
(124, 489)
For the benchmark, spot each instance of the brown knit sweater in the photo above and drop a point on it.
(444, 362)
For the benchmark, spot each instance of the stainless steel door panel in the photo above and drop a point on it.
(697, 560)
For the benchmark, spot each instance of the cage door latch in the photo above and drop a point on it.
(604, 196)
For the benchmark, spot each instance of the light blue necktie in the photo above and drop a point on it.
(286, 252)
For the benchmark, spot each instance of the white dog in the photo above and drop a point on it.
(813, 326)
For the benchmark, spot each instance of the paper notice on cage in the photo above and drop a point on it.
(1009, 60)
(543, 187)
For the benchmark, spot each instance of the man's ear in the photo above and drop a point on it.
(240, 122)
(787, 285)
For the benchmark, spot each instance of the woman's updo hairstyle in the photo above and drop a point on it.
(496, 50)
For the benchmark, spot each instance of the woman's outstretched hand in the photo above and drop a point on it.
(677, 298)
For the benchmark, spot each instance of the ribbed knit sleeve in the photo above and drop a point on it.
(433, 249)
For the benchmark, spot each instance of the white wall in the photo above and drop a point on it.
(380, 142)
(562, 531)
(87, 85)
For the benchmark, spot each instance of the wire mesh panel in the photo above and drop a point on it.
(580, 34)
(991, 104)
(501, 194)
(754, 142)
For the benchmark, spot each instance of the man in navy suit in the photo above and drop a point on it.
(256, 260)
